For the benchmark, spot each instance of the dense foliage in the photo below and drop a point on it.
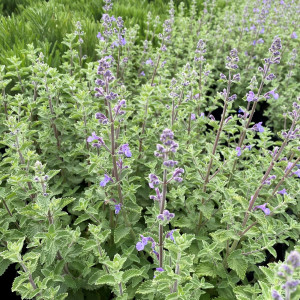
(150, 157)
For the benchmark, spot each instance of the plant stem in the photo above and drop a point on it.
(206, 179)
(177, 270)
(162, 207)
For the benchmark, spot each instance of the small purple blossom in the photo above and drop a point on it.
(124, 149)
(269, 179)
(275, 95)
(193, 116)
(297, 173)
(106, 180)
(251, 97)
(170, 235)
(93, 138)
(100, 37)
(142, 73)
(264, 208)
(170, 163)
(102, 118)
(159, 269)
(153, 180)
(294, 35)
(117, 208)
(139, 246)
(149, 62)
(294, 259)
(276, 295)
(258, 127)
(282, 192)
(239, 151)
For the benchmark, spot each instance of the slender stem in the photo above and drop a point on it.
(177, 270)
(162, 207)
(29, 275)
(155, 70)
(206, 179)
(56, 133)
(143, 128)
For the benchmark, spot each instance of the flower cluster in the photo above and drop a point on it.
(232, 59)
(264, 208)
(96, 140)
(144, 241)
(167, 138)
(166, 216)
(287, 271)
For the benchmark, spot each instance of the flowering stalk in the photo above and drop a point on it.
(177, 270)
(275, 58)
(162, 207)
(231, 65)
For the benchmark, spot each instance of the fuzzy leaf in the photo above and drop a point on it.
(128, 274)
(120, 233)
(238, 263)
(106, 279)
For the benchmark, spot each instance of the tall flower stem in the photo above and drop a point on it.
(114, 160)
(177, 270)
(254, 197)
(206, 178)
(162, 207)
(244, 131)
(155, 70)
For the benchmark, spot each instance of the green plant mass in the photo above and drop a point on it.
(150, 149)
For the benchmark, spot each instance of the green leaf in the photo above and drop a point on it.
(237, 262)
(81, 219)
(206, 269)
(128, 274)
(146, 288)
(4, 263)
(106, 279)
(120, 233)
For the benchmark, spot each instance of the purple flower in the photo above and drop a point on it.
(139, 246)
(124, 149)
(297, 173)
(251, 97)
(193, 116)
(142, 73)
(268, 180)
(159, 269)
(122, 42)
(117, 208)
(102, 118)
(276, 296)
(262, 30)
(158, 195)
(106, 180)
(177, 174)
(249, 147)
(258, 127)
(294, 35)
(282, 192)
(260, 41)
(170, 235)
(100, 37)
(149, 62)
(264, 208)
(275, 95)
(170, 163)
(153, 180)
(239, 151)
(291, 284)
(93, 138)
(294, 259)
